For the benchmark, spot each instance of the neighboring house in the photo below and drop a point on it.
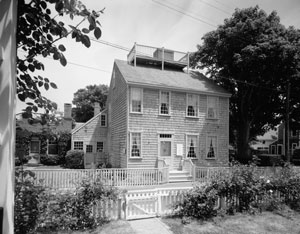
(91, 137)
(278, 147)
(261, 143)
(37, 145)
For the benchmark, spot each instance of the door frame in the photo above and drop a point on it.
(171, 139)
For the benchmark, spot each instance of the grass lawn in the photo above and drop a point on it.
(264, 223)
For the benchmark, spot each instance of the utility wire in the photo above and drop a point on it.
(182, 12)
(215, 7)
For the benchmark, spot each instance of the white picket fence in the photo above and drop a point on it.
(141, 204)
(66, 178)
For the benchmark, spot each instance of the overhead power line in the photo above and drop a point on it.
(184, 13)
(215, 7)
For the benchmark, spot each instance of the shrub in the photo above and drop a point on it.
(199, 203)
(27, 198)
(75, 210)
(50, 159)
(75, 159)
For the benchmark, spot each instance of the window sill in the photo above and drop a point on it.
(164, 115)
(136, 113)
(192, 117)
(211, 158)
(136, 158)
(212, 119)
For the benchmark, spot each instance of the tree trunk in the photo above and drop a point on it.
(243, 152)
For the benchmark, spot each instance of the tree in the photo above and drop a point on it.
(251, 55)
(39, 31)
(84, 100)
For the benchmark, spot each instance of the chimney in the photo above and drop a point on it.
(96, 108)
(67, 110)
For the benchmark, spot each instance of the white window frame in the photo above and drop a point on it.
(216, 101)
(34, 139)
(280, 145)
(197, 105)
(105, 121)
(196, 147)
(207, 147)
(77, 148)
(141, 93)
(169, 102)
(130, 146)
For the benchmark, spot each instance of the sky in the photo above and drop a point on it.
(174, 24)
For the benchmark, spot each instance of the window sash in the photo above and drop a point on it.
(52, 148)
(103, 120)
(211, 147)
(100, 146)
(136, 100)
(164, 103)
(78, 145)
(192, 105)
(89, 149)
(192, 146)
(135, 145)
(212, 107)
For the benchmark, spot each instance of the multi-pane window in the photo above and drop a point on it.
(52, 147)
(78, 145)
(135, 144)
(211, 147)
(212, 107)
(165, 145)
(103, 120)
(192, 146)
(164, 103)
(89, 149)
(273, 149)
(192, 105)
(100, 146)
(136, 100)
(34, 146)
(279, 149)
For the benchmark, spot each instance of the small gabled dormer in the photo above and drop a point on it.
(161, 58)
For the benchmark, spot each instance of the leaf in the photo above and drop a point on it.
(49, 37)
(91, 20)
(21, 96)
(91, 27)
(61, 47)
(63, 60)
(53, 85)
(31, 67)
(43, 5)
(35, 108)
(40, 83)
(86, 40)
(46, 85)
(85, 30)
(56, 55)
(97, 32)
(46, 80)
(59, 6)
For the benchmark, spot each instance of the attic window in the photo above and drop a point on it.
(103, 120)
(212, 107)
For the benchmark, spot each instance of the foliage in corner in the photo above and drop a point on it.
(27, 199)
(74, 159)
(39, 30)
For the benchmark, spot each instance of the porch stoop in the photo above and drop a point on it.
(179, 176)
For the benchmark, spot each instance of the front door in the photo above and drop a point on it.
(165, 146)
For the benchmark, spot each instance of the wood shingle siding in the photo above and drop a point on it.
(117, 119)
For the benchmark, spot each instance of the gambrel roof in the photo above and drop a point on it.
(168, 79)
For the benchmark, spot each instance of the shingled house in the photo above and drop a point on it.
(158, 109)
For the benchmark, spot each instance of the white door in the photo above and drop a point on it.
(165, 146)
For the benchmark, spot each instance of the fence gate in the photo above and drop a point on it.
(141, 204)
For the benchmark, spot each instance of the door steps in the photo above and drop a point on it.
(179, 176)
